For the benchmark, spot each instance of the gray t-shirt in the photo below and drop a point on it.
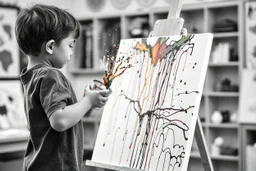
(46, 90)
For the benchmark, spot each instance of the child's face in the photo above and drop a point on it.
(62, 53)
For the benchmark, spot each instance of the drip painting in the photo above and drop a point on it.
(11, 105)
(149, 120)
(9, 50)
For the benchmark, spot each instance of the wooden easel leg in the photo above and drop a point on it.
(201, 143)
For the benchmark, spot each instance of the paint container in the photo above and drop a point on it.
(97, 85)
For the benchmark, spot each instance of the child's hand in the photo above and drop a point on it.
(98, 98)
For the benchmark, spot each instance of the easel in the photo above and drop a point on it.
(173, 25)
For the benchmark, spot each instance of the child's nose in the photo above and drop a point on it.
(71, 52)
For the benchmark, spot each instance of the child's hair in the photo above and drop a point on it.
(41, 23)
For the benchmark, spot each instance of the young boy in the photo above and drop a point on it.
(47, 34)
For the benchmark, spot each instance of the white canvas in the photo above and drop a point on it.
(247, 101)
(149, 120)
(9, 50)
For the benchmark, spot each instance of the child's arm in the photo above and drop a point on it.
(67, 117)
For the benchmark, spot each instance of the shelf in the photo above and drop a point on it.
(13, 144)
(109, 17)
(215, 157)
(13, 135)
(226, 34)
(222, 94)
(224, 125)
(88, 147)
(13, 139)
(195, 154)
(229, 64)
(225, 157)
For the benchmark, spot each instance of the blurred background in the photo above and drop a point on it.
(228, 105)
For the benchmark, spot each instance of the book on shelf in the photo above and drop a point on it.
(221, 53)
(84, 48)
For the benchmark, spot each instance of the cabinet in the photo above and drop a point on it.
(221, 90)
(249, 146)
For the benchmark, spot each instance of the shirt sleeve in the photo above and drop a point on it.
(54, 92)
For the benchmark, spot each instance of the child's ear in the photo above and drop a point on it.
(49, 46)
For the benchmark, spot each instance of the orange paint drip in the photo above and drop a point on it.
(155, 49)
(117, 67)
(148, 88)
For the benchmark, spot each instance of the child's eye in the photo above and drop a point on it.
(72, 44)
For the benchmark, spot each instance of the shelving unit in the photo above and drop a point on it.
(199, 18)
(214, 98)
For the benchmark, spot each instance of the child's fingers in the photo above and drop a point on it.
(108, 93)
(104, 99)
(104, 93)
